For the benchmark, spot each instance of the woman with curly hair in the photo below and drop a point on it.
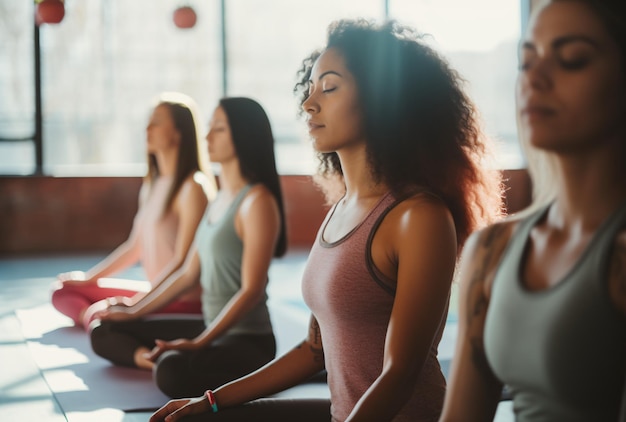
(399, 137)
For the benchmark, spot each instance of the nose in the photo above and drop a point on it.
(537, 76)
(310, 105)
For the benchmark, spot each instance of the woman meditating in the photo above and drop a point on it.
(171, 204)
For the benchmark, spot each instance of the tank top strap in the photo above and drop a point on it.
(234, 205)
(520, 236)
(239, 197)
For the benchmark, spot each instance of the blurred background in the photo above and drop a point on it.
(101, 67)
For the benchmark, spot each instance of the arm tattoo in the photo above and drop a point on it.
(315, 341)
(488, 253)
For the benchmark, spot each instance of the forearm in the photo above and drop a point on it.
(121, 258)
(294, 367)
(168, 271)
(163, 294)
(385, 397)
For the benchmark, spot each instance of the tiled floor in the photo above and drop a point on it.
(25, 283)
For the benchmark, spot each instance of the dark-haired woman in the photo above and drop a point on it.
(242, 230)
(171, 204)
(399, 136)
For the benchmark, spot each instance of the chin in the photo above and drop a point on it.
(321, 148)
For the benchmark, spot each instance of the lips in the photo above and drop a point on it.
(535, 107)
(314, 125)
(537, 110)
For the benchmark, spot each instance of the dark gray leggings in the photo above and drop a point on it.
(179, 373)
(271, 410)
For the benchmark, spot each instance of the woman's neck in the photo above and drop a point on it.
(167, 162)
(358, 176)
(590, 188)
(231, 179)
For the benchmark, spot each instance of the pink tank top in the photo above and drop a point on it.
(157, 231)
(352, 302)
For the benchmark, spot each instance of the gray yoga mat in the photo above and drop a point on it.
(80, 380)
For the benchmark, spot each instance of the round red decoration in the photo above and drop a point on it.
(185, 17)
(50, 11)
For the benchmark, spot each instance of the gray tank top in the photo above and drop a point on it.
(561, 351)
(220, 251)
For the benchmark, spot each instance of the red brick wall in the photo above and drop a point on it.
(89, 214)
(48, 214)
(80, 214)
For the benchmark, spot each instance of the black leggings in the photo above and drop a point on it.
(180, 373)
(271, 410)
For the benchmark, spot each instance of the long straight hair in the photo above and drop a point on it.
(254, 144)
(192, 157)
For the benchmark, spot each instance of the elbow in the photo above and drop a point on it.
(403, 375)
(178, 261)
(255, 296)
(252, 297)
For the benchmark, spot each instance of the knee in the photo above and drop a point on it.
(99, 337)
(170, 374)
(57, 294)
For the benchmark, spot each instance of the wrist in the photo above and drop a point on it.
(210, 396)
(89, 276)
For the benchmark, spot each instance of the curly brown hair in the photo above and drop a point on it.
(422, 130)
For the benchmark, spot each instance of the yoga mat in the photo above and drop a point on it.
(80, 380)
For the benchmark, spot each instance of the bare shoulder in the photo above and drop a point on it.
(421, 211)
(617, 271)
(258, 193)
(415, 222)
(417, 226)
(258, 199)
(191, 186)
(190, 195)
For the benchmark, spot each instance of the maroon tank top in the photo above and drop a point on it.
(352, 302)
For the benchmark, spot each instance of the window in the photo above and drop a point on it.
(105, 63)
(265, 50)
(17, 101)
(480, 39)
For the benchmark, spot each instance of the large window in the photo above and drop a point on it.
(102, 68)
(17, 97)
(104, 64)
(480, 39)
(266, 44)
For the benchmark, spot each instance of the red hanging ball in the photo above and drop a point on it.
(50, 11)
(185, 17)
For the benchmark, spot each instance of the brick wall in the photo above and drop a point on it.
(94, 214)
(89, 214)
